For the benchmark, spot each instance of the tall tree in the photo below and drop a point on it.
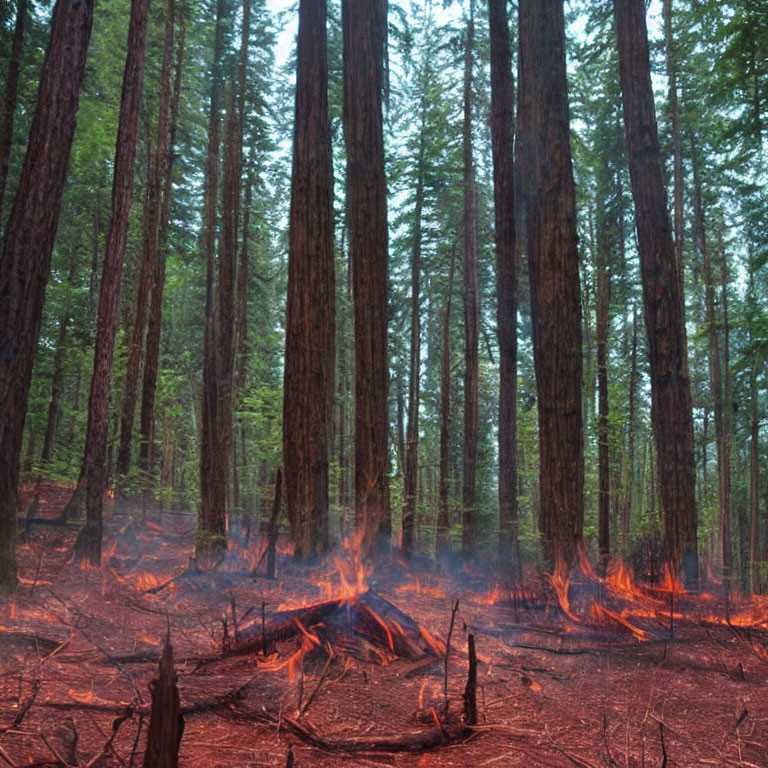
(28, 244)
(502, 133)
(549, 211)
(168, 112)
(471, 310)
(88, 543)
(149, 254)
(671, 413)
(9, 98)
(213, 513)
(364, 25)
(311, 327)
(411, 479)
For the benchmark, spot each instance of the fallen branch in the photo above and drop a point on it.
(406, 742)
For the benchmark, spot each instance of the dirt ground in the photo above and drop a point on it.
(79, 648)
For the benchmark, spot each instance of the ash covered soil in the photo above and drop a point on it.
(80, 647)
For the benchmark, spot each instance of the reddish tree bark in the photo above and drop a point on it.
(310, 327)
(548, 199)
(9, 98)
(603, 303)
(26, 256)
(411, 480)
(148, 262)
(444, 480)
(671, 414)
(88, 543)
(364, 24)
(502, 135)
(213, 514)
(471, 312)
(168, 112)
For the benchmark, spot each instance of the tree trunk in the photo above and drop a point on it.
(715, 373)
(754, 483)
(502, 133)
(471, 312)
(28, 244)
(544, 159)
(411, 491)
(88, 543)
(365, 30)
(444, 482)
(167, 119)
(311, 328)
(674, 114)
(213, 516)
(602, 327)
(671, 413)
(9, 99)
(727, 421)
(629, 474)
(149, 258)
(57, 379)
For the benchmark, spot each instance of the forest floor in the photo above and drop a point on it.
(79, 648)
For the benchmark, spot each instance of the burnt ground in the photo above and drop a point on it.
(78, 649)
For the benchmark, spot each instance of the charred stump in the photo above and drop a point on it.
(166, 723)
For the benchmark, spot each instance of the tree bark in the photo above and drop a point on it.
(213, 516)
(471, 312)
(310, 328)
(544, 158)
(602, 326)
(671, 413)
(502, 134)
(364, 25)
(411, 483)
(167, 113)
(57, 379)
(754, 483)
(26, 256)
(148, 259)
(716, 372)
(10, 97)
(674, 113)
(88, 543)
(444, 482)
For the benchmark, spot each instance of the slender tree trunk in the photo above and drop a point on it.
(715, 374)
(502, 133)
(544, 159)
(213, 518)
(471, 312)
(671, 412)
(602, 327)
(754, 483)
(311, 328)
(9, 98)
(365, 30)
(727, 420)
(629, 474)
(444, 482)
(57, 379)
(414, 374)
(28, 243)
(674, 113)
(88, 543)
(167, 114)
(149, 258)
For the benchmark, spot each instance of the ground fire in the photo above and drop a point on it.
(156, 660)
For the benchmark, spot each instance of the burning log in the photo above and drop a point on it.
(166, 723)
(369, 616)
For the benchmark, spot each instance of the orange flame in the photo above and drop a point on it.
(601, 615)
(560, 581)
